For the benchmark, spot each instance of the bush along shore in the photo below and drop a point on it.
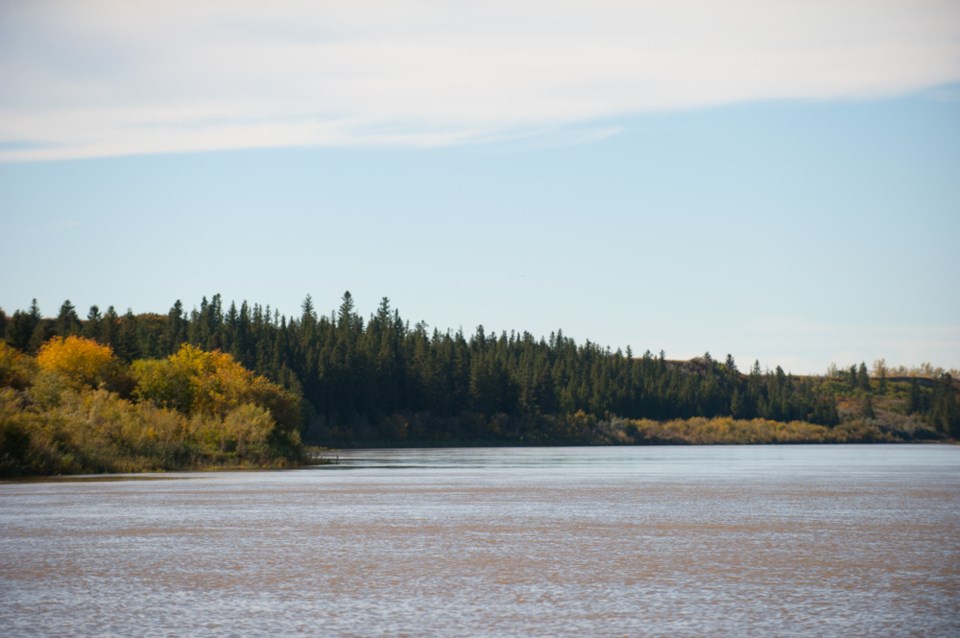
(75, 408)
(244, 387)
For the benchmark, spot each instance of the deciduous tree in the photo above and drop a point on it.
(83, 362)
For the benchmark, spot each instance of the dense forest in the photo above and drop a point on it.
(384, 381)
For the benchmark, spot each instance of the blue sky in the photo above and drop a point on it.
(777, 181)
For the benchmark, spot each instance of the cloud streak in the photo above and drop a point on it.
(99, 78)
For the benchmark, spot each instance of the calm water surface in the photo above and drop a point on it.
(672, 541)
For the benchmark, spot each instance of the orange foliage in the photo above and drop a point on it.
(83, 362)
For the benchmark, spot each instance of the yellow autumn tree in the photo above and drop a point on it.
(194, 381)
(82, 362)
(231, 410)
(169, 383)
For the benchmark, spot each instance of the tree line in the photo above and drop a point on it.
(381, 379)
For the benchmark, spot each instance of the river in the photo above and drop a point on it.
(633, 541)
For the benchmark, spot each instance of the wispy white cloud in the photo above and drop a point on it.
(96, 77)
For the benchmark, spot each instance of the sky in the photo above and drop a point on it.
(777, 180)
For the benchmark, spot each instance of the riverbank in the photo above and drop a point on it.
(580, 429)
(51, 445)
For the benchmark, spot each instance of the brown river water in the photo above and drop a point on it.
(640, 541)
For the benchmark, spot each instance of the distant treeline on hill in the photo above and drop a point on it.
(384, 381)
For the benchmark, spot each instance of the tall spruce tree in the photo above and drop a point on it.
(863, 377)
(91, 328)
(68, 323)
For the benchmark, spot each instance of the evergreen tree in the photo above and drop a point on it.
(736, 405)
(91, 329)
(863, 377)
(109, 327)
(307, 310)
(127, 342)
(22, 326)
(42, 329)
(68, 323)
(243, 342)
(231, 322)
(175, 329)
(346, 316)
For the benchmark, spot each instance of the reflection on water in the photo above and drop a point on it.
(788, 541)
